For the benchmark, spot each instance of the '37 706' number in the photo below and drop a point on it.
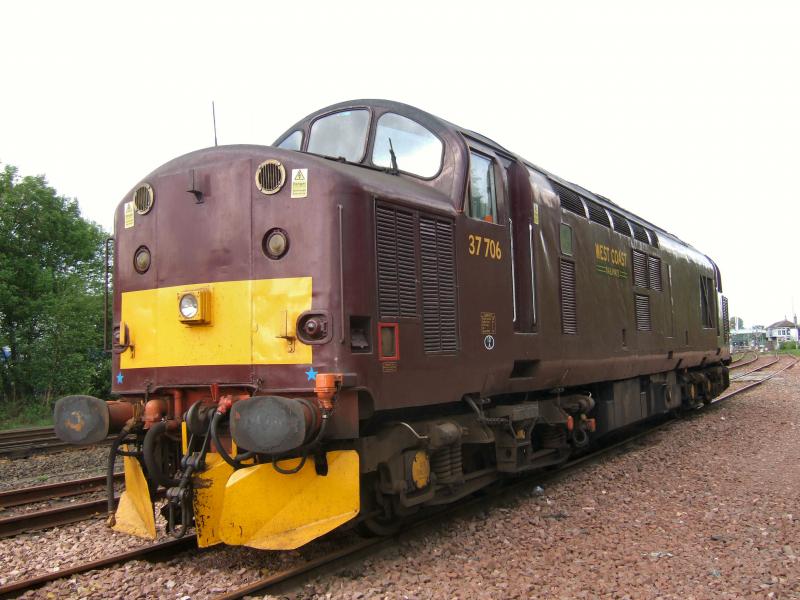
(483, 246)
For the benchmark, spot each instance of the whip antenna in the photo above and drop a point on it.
(214, 118)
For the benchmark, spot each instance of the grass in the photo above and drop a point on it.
(32, 414)
(792, 351)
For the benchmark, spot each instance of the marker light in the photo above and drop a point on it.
(141, 259)
(275, 243)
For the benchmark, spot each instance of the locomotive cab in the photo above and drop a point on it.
(380, 313)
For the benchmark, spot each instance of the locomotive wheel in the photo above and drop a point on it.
(379, 526)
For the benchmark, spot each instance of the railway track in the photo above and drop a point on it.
(354, 551)
(51, 491)
(21, 443)
(52, 517)
(742, 362)
(775, 358)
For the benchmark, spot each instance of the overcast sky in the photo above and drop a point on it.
(686, 113)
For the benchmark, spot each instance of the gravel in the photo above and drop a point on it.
(707, 508)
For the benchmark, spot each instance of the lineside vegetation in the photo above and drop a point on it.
(51, 300)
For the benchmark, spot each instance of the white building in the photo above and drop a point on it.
(782, 331)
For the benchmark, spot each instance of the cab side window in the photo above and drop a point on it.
(482, 193)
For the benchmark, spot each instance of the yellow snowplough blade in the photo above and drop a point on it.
(209, 491)
(265, 509)
(135, 510)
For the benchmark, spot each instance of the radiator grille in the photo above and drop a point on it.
(639, 232)
(642, 312)
(597, 213)
(569, 200)
(653, 238)
(621, 224)
(639, 269)
(569, 313)
(397, 266)
(654, 273)
(437, 257)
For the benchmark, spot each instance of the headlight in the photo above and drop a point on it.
(141, 259)
(194, 306)
(188, 306)
(275, 243)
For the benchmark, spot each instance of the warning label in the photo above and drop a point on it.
(129, 215)
(299, 183)
(488, 323)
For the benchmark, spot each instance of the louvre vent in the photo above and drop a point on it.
(642, 312)
(569, 312)
(569, 200)
(397, 264)
(437, 257)
(621, 224)
(726, 325)
(597, 213)
(639, 232)
(653, 238)
(639, 269)
(654, 273)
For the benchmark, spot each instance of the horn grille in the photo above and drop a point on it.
(143, 198)
(270, 177)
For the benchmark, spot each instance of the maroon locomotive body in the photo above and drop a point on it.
(381, 313)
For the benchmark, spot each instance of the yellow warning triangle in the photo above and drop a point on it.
(299, 176)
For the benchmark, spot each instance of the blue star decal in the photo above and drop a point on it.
(119, 377)
(311, 374)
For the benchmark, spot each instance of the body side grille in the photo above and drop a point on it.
(639, 269)
(642, 312)
(654, 273)
(569, 313)
(726, 325)
(396, 262)
(439, 309)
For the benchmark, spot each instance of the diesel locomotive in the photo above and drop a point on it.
(379, 313)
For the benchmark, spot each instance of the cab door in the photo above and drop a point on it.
(486, 293)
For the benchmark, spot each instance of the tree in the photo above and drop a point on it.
(51, 294)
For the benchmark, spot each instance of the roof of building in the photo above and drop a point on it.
(784, 323)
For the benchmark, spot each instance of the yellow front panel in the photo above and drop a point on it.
(247, 318)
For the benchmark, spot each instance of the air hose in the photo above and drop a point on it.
(149, 449)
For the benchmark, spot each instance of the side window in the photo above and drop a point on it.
(482, 193)
(293, 141)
